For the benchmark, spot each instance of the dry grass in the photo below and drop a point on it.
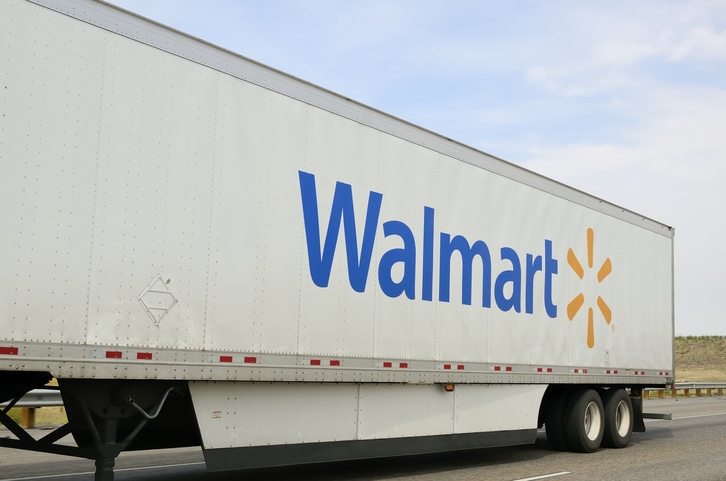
(43, 416)
(701, 359)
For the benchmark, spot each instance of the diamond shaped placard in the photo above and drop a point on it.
(157, 299)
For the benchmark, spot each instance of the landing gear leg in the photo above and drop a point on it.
(104, 423)
(104, 469)
(107, 448)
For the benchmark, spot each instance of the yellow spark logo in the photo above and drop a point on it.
(575, 304)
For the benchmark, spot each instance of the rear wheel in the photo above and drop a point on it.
(618, 418)
(584, 421)
(555, 420)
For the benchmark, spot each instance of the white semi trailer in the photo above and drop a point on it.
(203, 250)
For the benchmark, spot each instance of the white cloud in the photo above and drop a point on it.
(702, 43)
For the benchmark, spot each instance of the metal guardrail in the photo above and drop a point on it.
(687, 387)
(700, 385)
(39, 398)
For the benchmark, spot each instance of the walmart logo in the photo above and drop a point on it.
(574, 306)
(512, 281)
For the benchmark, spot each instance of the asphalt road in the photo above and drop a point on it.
(691, 446)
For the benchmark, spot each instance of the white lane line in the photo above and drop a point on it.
(544, 476)
(687, 417)
(51, 476)
(160, 467)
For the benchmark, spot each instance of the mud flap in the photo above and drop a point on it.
(636, 396)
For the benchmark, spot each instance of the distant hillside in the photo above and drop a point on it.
(701, 358)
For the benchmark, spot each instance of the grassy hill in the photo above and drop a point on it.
(701, 358)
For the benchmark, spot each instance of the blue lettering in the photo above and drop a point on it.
(514, 276)
(534, 264)
(407, 256)
(460, 244)
(507, 284)
(427, 282)
(550, 270)
(342, 209)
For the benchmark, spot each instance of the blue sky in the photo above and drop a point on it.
(624, 100)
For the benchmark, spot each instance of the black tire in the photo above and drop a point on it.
(584, 421)
(555, 419)
(619, 418)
